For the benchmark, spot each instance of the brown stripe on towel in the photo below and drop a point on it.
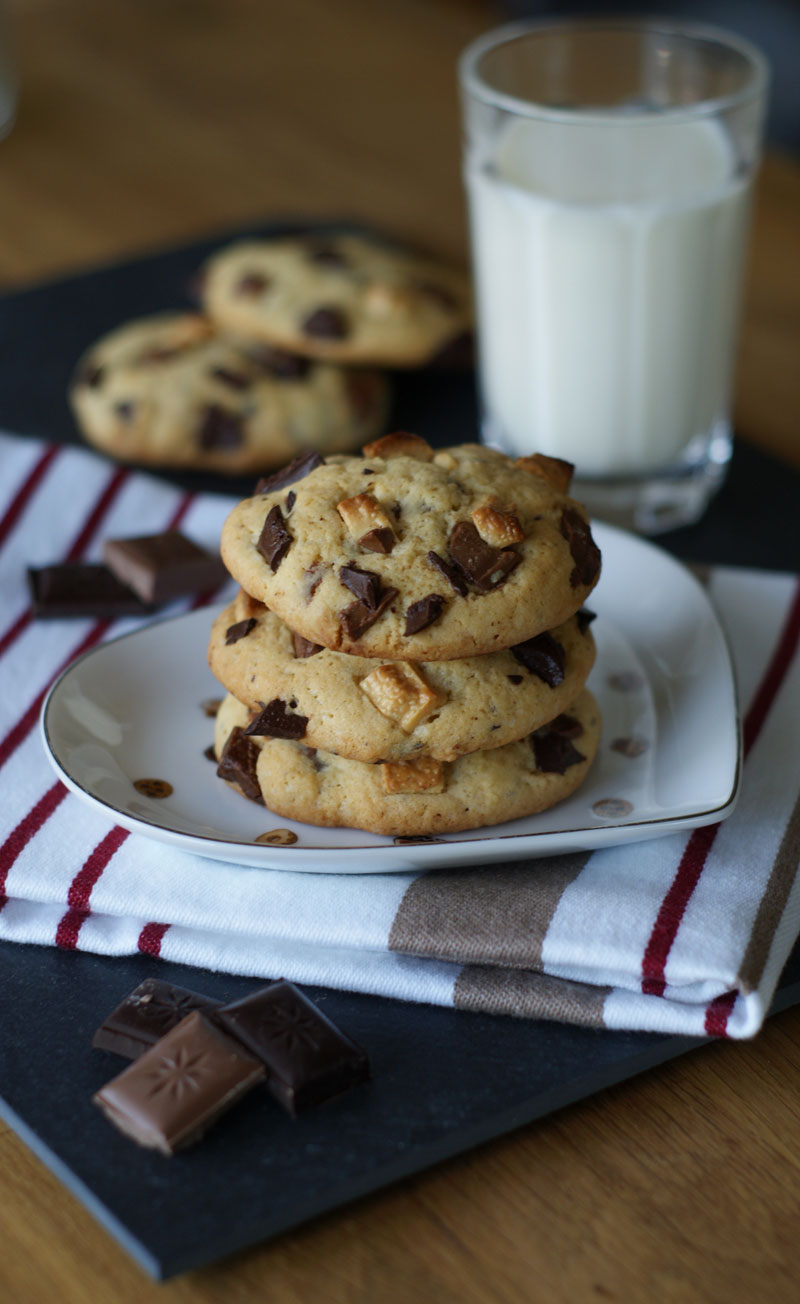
(772, 904)
(483, 915)
(485, 990)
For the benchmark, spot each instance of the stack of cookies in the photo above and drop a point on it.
(409, 648)
(280, 361)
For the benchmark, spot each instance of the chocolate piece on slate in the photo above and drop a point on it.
(220, 429)
(450, 572)
(326, 324)
(303, 647)
(294, 470)
(366, 585)
(307, 1058)
(358, 617)
(379, 540)
(237, 764)
(75, 589)
(281, 365)
(252, 284)
(172, 1093)
(552, 745)
(275, 540)
(424, 612)
(277, 721)
(583, 549)
(235, 379)
(484, 566)
(152, 1009)
(584, 618)
(543, 656)
(240, 630)
(160, 567)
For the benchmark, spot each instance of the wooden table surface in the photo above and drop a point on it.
(147, 122)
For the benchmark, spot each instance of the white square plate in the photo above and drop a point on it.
(132, 708)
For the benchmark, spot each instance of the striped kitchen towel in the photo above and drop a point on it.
(684, 934)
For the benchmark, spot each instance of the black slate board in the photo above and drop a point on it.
(443, 1081)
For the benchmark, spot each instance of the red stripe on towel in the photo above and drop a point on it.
(19, 837)
(150, 939)
(26, 490)
(673, 906)
(82, 886)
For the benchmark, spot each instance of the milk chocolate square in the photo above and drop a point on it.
(160, 567)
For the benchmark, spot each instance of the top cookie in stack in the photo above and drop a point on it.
(414, 555)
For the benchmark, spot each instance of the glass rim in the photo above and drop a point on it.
(473, 84)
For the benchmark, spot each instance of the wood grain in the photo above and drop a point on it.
(146, 123)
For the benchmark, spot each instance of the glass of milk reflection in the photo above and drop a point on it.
(609, 166)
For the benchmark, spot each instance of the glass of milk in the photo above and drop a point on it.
(609, 166)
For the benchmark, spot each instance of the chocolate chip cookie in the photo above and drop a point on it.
(341, 297)
(370, 710)
(413, 555)
(415, 796)
(170, 391)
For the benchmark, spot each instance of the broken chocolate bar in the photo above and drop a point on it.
(76, 590)
(151, 1010)
(307, 1058)
(160, 567)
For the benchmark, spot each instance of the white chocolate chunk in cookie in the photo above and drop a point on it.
(367, 522)
(399, 444)
(497, 525)
(422, 775)
(553, 470)
(401, 694)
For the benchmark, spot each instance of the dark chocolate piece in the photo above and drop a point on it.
(252, 284)
(240, 630)
(275, 540)
(151, 1010)
(76, 589)
(289, 474)
(220, 429)
(552, 745)
(484, 566)
(210, 753)
(515, 679)
(160, 567)
(424, 612)
(583, 549)
(172, 1093)
(237, 764)
(450, 573)
(235, 379)
(358, 617)
(584, 618)
(307, 1058)
(303, 647)
(291, 499)
(378, 540)
(542, 656)
(281, 365)
(277, 721)
(327, 256)
(366, 585)
(326, 324)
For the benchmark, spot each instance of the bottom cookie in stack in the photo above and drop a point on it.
(410, 797)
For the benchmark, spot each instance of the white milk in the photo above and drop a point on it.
(607, 262)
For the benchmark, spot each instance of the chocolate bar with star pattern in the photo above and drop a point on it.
(151, 1010)
(307, 1058)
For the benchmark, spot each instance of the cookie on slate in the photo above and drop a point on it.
(415, 556)
(170, 391)
(372, 710)
(340, 297)
(420, 796)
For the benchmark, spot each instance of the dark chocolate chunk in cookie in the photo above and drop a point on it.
(423, 613)
(552, 745)
(326, 324)
(91, 375)
(281, 365)
(366, 585)
(295, 470)
(450, 573)
(237, 764)
(584, 618)
(275, 540)
(303, 647)
(240, 630)
(543, 656)
(359, 617)
(484, 566)
(379, 540)
(251, 285)
(328, 255)
(220, 429)
(234, 379)
(277, 721)
(583, 549)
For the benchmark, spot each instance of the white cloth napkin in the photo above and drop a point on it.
(684, 934)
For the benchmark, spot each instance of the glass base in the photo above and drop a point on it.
(662, 500)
